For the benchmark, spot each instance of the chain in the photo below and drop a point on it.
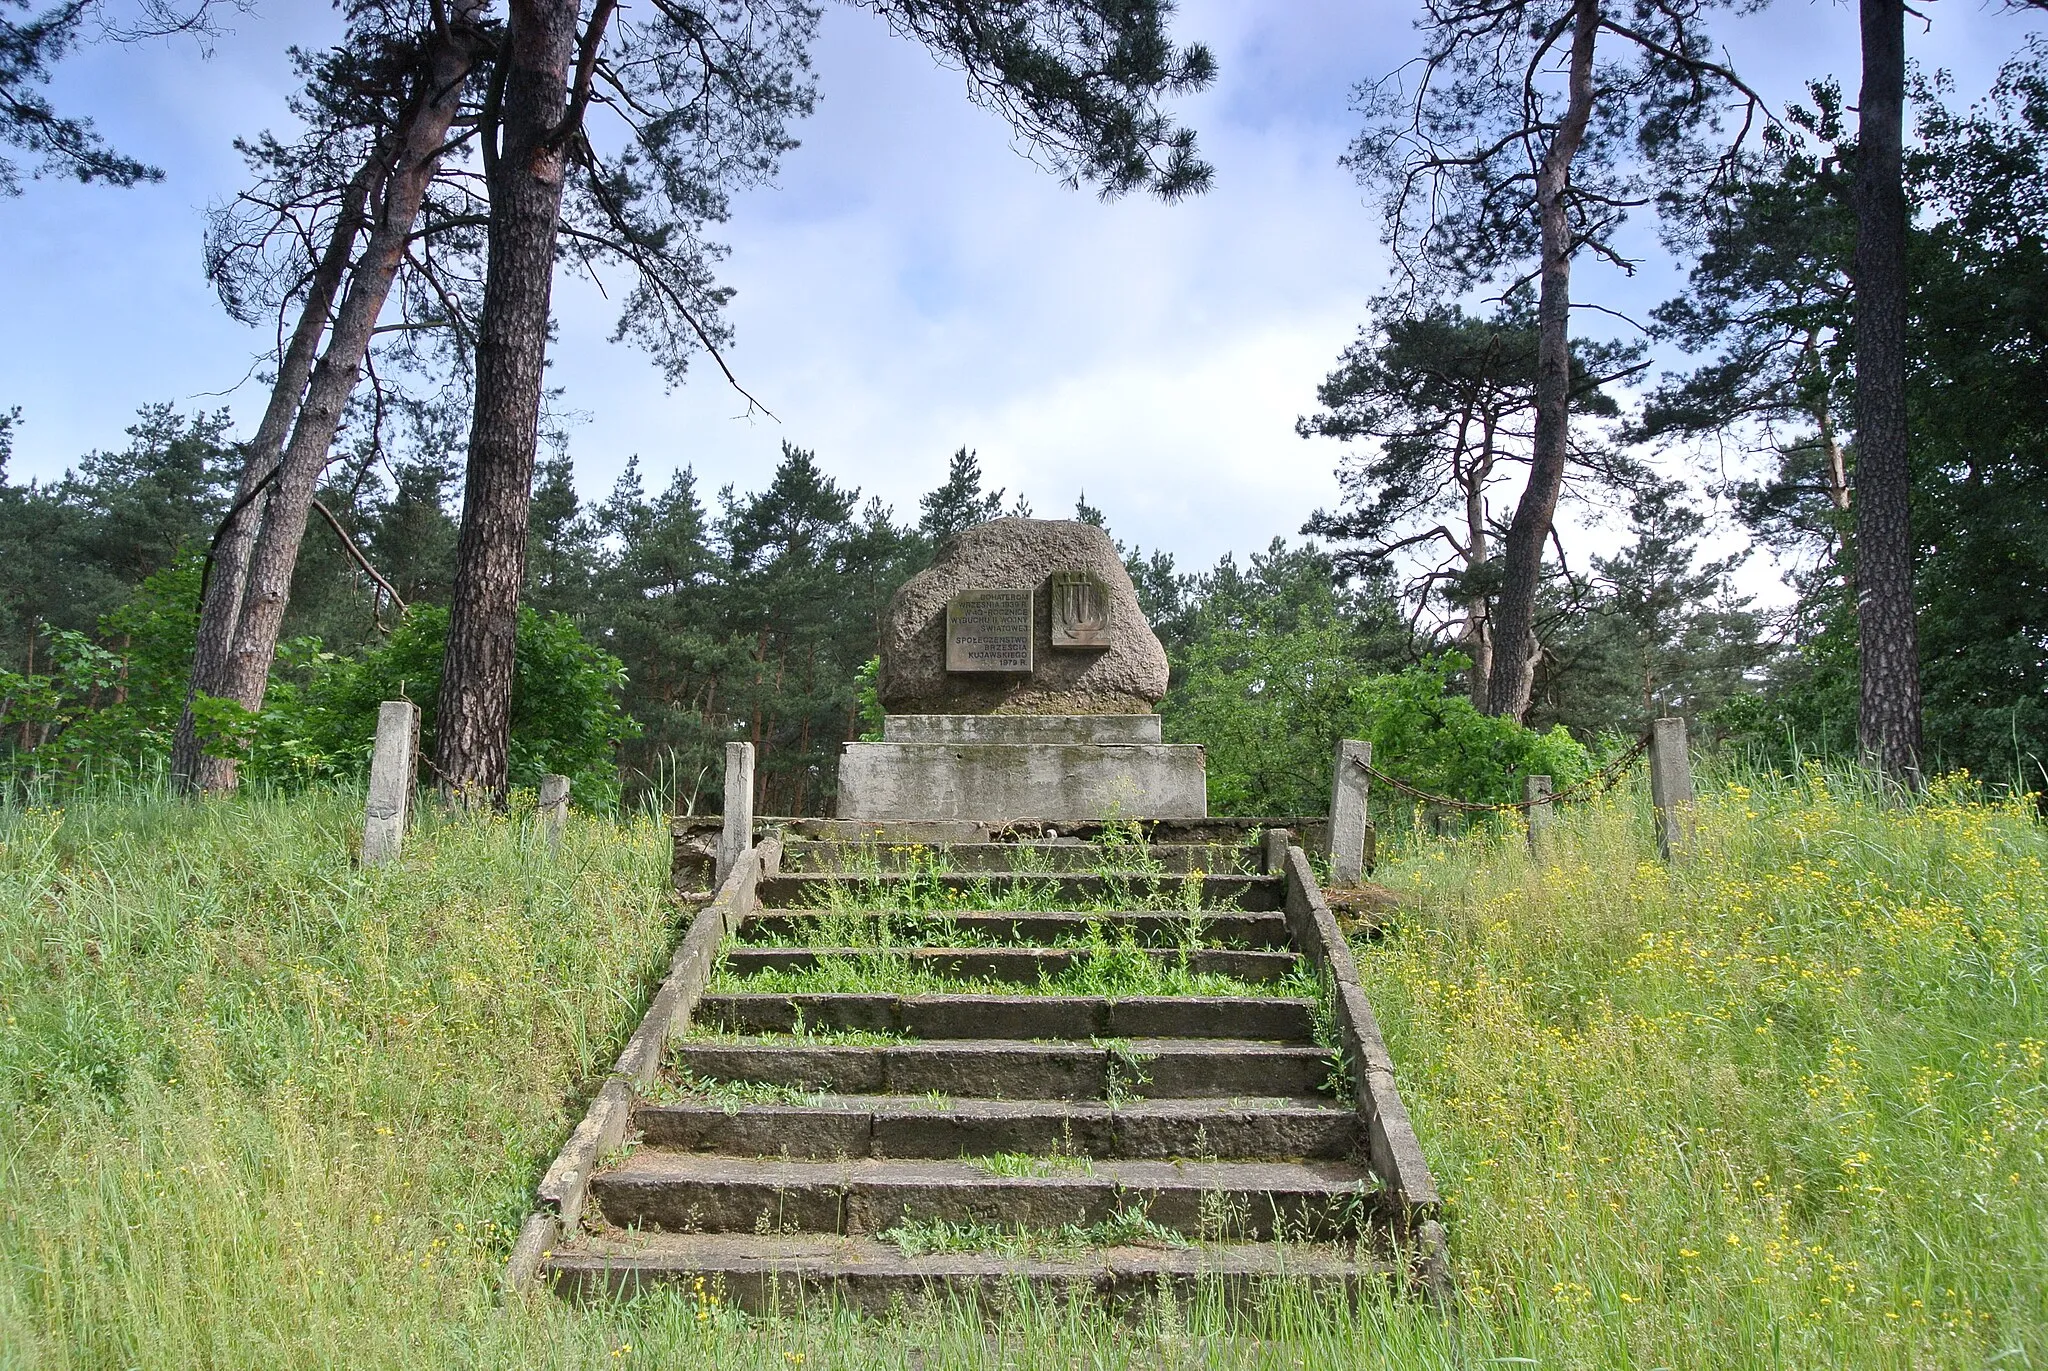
(1605, 779)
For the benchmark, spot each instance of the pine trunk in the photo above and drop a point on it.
(472, 727)
(409, 166)
(1514, 617)
(1888, 723)
(220, 607)
(1478, 621)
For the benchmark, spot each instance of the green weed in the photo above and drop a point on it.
(1029, 1166)
(681, 1086)
(1126, 1228)
(1117, 975)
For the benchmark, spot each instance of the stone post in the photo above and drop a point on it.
(738, 834)
(1671, 787)
(1536, 794)
(1348, 785)
(1273, 850)
(394, 760)
(554, 808)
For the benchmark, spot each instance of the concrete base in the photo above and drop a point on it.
(1021, 728)
(1004, 782)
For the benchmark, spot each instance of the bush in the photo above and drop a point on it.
(110, 704)
(566, 716)
(1433, 738)
(1271, 706)
(1269, 702)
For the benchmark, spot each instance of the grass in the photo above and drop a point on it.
(1113, 975)
(1030, 1166)
(1785, 1103)
(1125, 1228)
(802, 1035)
(1117, 964)
(1120, 849)
(674, 1086)
(893, 928)
(1126, 1076)
(1782, 1105)
(923, 887)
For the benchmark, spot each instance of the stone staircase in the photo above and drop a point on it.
(886, 1068)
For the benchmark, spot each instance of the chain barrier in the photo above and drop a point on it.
(1605, 779)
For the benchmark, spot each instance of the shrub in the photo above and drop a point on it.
(1433, 738)
(566, 716)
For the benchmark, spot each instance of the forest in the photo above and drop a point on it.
(223, 604)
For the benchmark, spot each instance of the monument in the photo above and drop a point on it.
(1018, 679)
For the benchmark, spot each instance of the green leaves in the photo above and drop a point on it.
(1430, 736)
(566, 713)
(1266, 674)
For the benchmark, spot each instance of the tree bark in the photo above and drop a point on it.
(221, 606)
(1514, 617)
(1478, 621)
(408, 171)
(525, 157)
(1888, 721)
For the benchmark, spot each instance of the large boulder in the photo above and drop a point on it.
(1126, 677)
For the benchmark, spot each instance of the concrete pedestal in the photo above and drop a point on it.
(1002, 768)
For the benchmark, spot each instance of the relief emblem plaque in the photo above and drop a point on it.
(1080, 610)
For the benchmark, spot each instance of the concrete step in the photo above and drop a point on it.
(1008, 965)
(1252, 893)
(1147, 1068)
(1219, 928)
(1013, 1016)
(769, 1274)
(944, 1128)
(1228, 831)
(830, 856)
(1226, 1201)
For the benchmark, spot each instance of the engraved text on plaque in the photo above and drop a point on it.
(989, 630)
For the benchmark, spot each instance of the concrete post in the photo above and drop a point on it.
(1536, 794)
(1671, 787)
(1273, 850)
(554, 808)
(738, 834)
(1348, 785)
(394, 761)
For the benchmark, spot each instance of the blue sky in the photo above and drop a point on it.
(911, 284)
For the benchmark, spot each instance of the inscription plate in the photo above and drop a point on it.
(989, 630)
(1080, 610)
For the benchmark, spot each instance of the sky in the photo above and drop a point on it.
(909, 285)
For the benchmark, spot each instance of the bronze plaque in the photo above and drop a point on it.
(989, 630)
(1080, 610)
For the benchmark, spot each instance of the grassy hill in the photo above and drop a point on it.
(1783, 1105)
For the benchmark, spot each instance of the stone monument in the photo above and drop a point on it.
(1018, 679)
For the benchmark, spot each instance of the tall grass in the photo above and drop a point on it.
(1782, 1105)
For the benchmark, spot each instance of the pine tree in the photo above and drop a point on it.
(1446, 404)
(959, 502)
(561, 555)
(1528, 132)
(1664, 633)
